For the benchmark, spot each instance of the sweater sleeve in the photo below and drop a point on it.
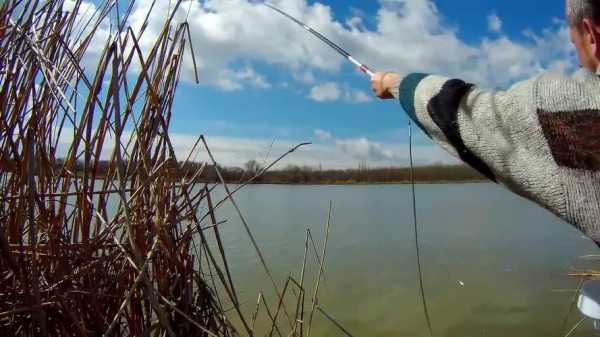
(539, 138)
(477, 126)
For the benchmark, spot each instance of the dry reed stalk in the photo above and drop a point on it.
(334, 321)
(587, 274)
(315, 299)
(102, 232)
(86, 251)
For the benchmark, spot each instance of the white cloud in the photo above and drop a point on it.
(350, 151)
(330, 152)
(227, 31)
(364, 149)
(494, 23)
(304, 76)
(231, 80)
(357, 96)
(409, 35)
(86, 16)
(331, 91)
(322, 135)
(325, 92)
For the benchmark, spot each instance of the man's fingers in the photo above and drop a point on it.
(382, 84)
(378, 86)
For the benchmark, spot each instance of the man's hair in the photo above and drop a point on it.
(577, 10)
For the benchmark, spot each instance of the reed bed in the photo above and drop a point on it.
(136, 250)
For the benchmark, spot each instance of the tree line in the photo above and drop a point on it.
(293, 174)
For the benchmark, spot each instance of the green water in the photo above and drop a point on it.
(511, 256)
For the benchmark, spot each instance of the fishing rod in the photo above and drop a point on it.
(362, 67)
(370, 73)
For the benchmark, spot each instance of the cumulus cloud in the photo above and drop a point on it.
(358, 150)
(364, 149)
(494, 23)
(333, 153)
(225, 32)
(87, 13)
(331, 91)
(329, 152)
(231, 80)
(409, 35)
(322, 135)
(357, 96)
(303, 76)
(325, 92)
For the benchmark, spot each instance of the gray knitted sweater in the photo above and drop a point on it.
(540, 138)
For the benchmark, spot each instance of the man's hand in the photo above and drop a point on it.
(384, 83)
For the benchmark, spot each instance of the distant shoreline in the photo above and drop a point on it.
(431, 182)
(290, 175)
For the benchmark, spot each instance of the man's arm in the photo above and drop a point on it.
(497, 133)
(474, 125)
(539, 138)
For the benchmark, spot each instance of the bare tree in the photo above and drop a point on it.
(252, 167)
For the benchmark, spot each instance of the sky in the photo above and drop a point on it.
(266, 84)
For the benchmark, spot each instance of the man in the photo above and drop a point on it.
(540, 138)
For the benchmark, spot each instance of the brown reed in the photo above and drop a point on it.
(133, 249)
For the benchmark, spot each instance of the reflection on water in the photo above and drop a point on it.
(494, 264)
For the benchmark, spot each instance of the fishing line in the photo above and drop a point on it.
(370, 73)
(416, 228)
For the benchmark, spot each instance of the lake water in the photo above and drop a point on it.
(494, 264)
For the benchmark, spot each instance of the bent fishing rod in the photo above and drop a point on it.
(362, 67)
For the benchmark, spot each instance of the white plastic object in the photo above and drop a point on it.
(589, 301)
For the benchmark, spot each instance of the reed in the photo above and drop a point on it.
(136, 250)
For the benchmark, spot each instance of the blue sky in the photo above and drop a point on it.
(265, 80)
